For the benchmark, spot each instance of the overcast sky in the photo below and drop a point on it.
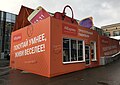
(104, 12)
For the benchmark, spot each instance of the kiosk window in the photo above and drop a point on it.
(93, 51)
(73, 50)
(66, 52)
(80, 50)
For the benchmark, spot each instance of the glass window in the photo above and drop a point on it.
(0, 31)
(116, 33)
(8, 20)
(107, 34)
(73, 50)
(0, 43)
(8, 28)
(87, 56)
(1, 28)
(8, 15)
(13, 21)
(66, 52)
(93, 51)
(6, 46)
(13, 17)
(80, 50)
(1, 14)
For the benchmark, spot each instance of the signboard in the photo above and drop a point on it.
(41, 38)
(108, 46)
(69, 29)
(30, 52)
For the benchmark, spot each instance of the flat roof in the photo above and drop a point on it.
(109, 26)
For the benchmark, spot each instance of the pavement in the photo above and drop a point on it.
(103, 75)
(4, 67)
(4, 62)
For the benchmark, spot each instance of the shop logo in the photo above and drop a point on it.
(17, 37)
(69, 30)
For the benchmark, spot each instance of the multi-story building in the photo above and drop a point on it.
(7, 21)
(112, 30)
(100, 31)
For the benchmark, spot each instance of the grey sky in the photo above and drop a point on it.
(104, 12)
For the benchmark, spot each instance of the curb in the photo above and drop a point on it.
(7, 70)
(7, 67)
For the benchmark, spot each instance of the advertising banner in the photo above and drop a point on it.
(108, 46)
(29, 48)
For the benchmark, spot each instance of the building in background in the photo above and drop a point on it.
(100, 31)
(112, 31)
(7, 21)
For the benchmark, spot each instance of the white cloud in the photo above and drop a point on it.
(103, 11)
(10, 6)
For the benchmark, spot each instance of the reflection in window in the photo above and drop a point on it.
(8, 15)
(87, 56)
(66, 54)
(80, 50)
(8, 20)
(73, 50)
(13, 17)
(1, 16)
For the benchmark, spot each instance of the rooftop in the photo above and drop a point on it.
(110, 26)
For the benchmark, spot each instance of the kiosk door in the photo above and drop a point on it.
(87, 55)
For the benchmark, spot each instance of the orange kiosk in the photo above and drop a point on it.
(53, 47)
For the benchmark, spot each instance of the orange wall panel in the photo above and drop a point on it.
(38, 48)
(57, 34)
(30, 48)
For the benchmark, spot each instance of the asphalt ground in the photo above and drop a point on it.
(103, 75)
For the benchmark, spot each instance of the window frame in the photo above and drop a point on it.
(116, 34)
(89, 55)
(78, 61)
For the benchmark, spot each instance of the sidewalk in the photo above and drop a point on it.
(4, 67)
(4, 62)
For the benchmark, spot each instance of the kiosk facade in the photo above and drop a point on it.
(53, 47)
